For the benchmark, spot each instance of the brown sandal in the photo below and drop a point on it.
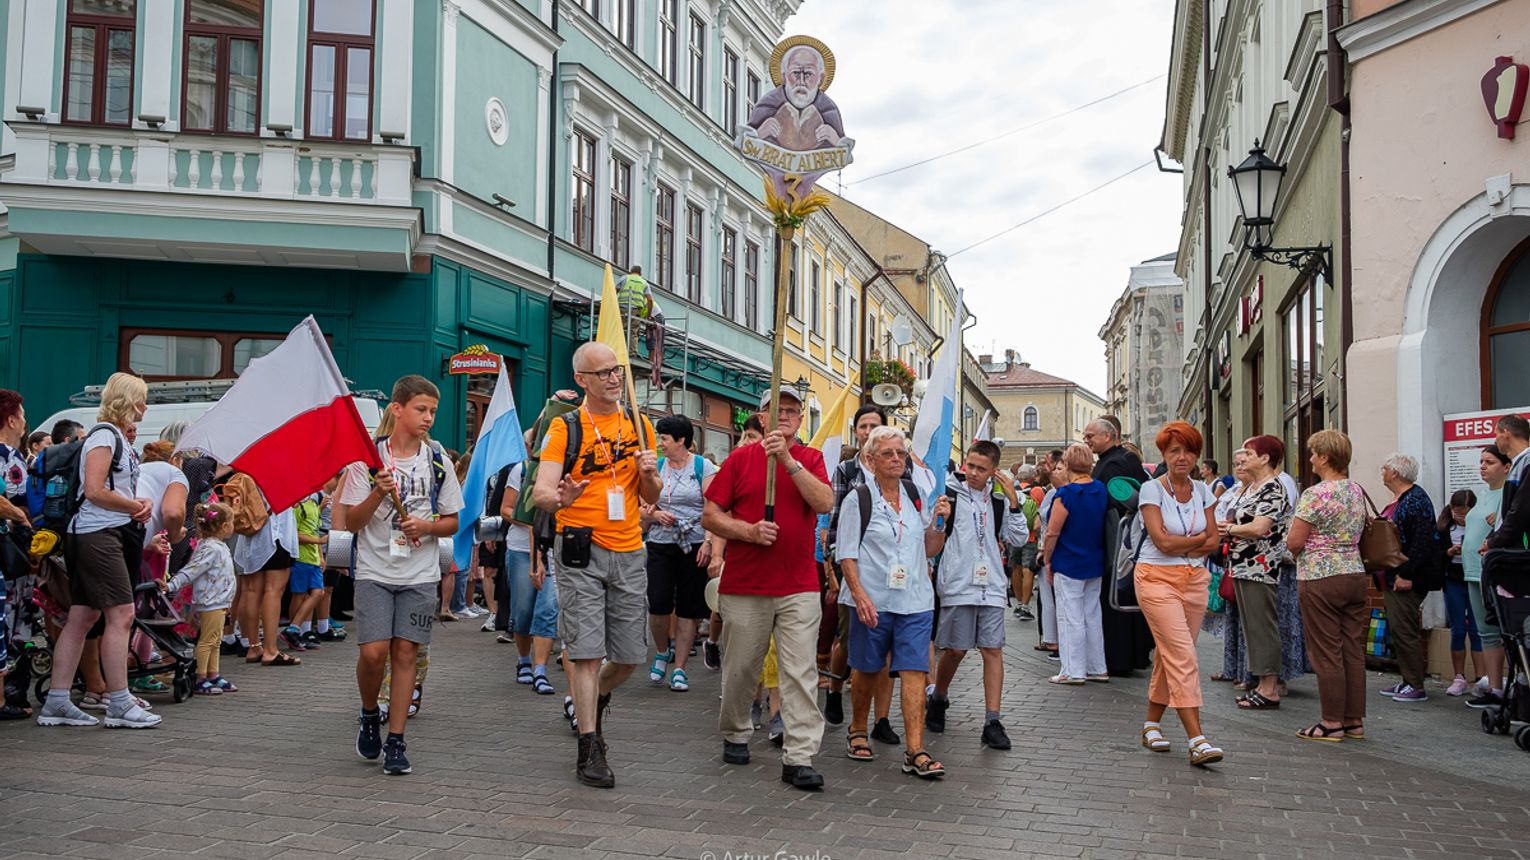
(862, 751)
(922, 765)
(282, 660)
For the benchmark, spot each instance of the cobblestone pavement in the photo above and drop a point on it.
(271, 772)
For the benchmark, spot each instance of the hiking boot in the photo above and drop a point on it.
(935, 714)
(592, 768)
(834, 708)
(801, 776)
(883, 731)
(369, 743)
(395, 763)
(602, 705)
(994, 736)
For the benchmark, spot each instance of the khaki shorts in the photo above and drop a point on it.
(603, 608)
(103, 566)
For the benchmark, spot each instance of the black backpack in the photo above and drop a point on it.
(863, 493)
(57, 471)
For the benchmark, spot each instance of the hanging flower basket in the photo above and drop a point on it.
(892, 371)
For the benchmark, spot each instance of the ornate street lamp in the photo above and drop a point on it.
(1257, 183)
(802, 385)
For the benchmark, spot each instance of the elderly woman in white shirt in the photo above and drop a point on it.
(884, 545)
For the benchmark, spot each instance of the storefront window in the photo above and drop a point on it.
(160, 355)
(1304, 401)
(168, 355)
(249, 348)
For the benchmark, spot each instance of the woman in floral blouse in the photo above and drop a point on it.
(1325, 538)
(1255, 533)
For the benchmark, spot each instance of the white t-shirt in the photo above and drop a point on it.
(374, 559)
(518, 538)
(123, 481)
(1180, 519)
(154, 480)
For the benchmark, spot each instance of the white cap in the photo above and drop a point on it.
(786, 391)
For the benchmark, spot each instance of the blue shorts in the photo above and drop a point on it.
(533, 611)
(305, 578)
(905, 637)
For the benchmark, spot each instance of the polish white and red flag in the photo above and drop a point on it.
(288, 421)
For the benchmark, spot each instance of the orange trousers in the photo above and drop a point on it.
(1173, 599)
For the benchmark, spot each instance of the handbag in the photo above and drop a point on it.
(1225, 589)
(1380, 541)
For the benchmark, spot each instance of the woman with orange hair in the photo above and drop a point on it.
(1178, 513)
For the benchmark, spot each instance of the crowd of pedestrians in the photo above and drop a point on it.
(878, 571)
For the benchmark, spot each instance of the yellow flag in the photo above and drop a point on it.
(830, 438)
(610, 331)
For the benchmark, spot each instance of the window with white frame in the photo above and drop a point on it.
(621, 212)
(624, 22)
(729, 271)
(693, 221)
(664, 239)
(815, 298)
(697, 45)
(751, 284)
(836, 319)
(852, 328)
(582, 191)
(669, 41)
(752, 90)
(791, 286)
(730, 91)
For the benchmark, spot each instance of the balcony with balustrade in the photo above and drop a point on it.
(146, 194)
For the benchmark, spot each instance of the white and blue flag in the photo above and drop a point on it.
(934, 423)
(501, 443)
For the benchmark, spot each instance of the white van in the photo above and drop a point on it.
(170, 402)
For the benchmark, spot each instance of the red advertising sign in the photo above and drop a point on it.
(474, 359)
(1466, 434)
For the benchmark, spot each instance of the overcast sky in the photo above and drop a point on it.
(919, 77)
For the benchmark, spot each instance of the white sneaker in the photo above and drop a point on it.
(1482, 686)
(65, 715)
(488, 626)
(133, 718)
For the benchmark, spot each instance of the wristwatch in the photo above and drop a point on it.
(794, 468)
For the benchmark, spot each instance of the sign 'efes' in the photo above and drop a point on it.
(795, 132)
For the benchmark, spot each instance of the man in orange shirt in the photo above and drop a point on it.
(601, 563)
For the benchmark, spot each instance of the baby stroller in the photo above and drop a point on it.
(1506, 597)
(154, 617)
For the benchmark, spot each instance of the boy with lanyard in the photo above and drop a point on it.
(397, 559)
(972, 588)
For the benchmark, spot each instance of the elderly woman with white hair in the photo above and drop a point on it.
(1405, 586)
(884, 545)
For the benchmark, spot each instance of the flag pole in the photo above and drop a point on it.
(784, 236)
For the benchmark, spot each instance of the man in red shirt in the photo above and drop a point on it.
(769, 588)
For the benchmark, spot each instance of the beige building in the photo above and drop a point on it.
(1038, 411)
(1144, 352)
(1263, 337)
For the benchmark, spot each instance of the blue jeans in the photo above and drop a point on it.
(533, 611)
(459, 593)
(1458, 609)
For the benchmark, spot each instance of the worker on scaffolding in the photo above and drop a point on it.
(635, 298)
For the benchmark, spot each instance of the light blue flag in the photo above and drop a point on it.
(934, 423)
(501, 443)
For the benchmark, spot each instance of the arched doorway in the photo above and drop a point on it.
(1506, 334)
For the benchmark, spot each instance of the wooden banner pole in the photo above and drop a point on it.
(784, 236)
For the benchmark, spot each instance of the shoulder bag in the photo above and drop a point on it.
(1380, 541)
